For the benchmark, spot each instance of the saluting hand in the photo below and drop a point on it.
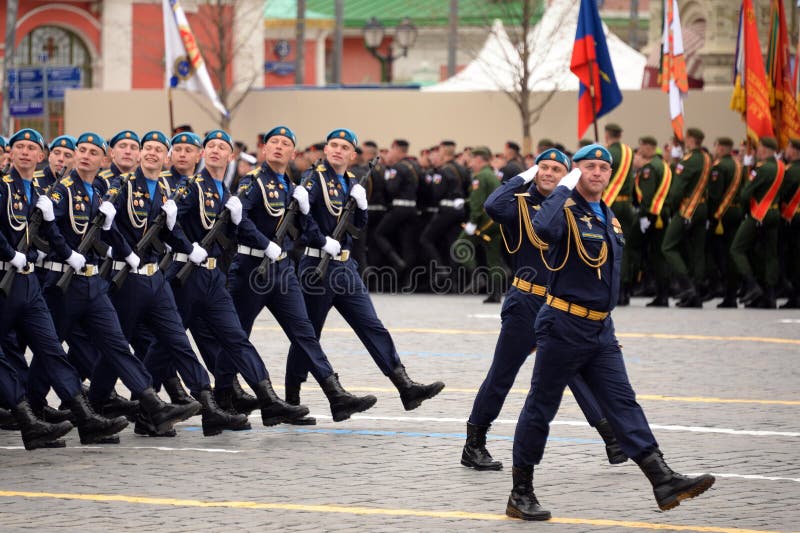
(571, 179)
(529, 174)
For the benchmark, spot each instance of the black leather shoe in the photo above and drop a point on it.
(343, 404)
(522, 502)
(692, 302)
(146, 428)
(412, 394)
(216, 420)
(93, 427)
(475, 455)
(658, 302)
(165, 415)
(670, 488)
(37, 433)
(493, 298)
(273, 409)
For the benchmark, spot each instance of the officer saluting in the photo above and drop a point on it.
(576, 334)
(329, 185)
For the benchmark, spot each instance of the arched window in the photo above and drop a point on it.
(59, 47)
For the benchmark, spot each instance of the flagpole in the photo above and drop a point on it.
(591, 97)
(171, 114)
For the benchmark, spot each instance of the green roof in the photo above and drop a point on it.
(424, 12)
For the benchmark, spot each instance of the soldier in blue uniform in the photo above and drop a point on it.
(24, 310)
(576, 334)
(267, 193)
(513, 205)
(62, 154)
(125, 149)
(146, 298)
(329, 185)
(204, 295)
(71, 207)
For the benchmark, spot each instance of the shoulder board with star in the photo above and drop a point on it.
(199, 179)
(569, 203)
(66, 182)
(8, 179)
(525, 194)
(320, 168)
(38, 174)
(165, 174)
(106, 173)
(350, 174)
(253, 172)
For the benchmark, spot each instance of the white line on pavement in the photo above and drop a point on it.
(116, 447)
(750, 476)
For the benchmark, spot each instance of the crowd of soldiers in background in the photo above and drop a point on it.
(427, 231)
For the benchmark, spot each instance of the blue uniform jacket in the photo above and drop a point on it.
(578, 282)
(263, 206)
(135, 212)
(327, 198)
(198, 211)
(14, 218)
(503, 206)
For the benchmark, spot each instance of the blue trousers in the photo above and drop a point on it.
(203, 301)
(279, 291)
(516, 341)
(569, 345)
(343, 289)
(12, 390)
(86, 303)
(24, 311)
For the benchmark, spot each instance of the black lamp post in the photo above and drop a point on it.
(405, 36)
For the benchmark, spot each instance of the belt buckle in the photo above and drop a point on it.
(90, 270)
(150, 269)
(27, 270)
(211, 263)
(344, 256)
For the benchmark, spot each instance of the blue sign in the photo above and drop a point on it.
(27, 87)
(280, 68)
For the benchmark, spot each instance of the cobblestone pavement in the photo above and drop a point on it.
(721, 389)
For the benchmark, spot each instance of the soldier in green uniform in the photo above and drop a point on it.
(619, 197)
(724, 214)
(790, 227)
(480, 229)
(686, 231)
(758, 232)
(651, 185)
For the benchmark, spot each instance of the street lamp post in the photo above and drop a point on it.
(405, 36)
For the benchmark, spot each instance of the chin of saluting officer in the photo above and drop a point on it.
(575, 333)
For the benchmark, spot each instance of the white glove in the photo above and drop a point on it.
(458, 203)
(107, 208)
(40, 255)
(301, 195)
(360, 194)
(748, 160)
(332, 246)
(273, 251)
(19, 260)
(234, 205)
(644, 223)
(76, 261)
(469, 228)
(171, 210)
(45, 205)
(133, 260)
(110, 253)
(529, 174)
(198, 254)
(571, 179)
(676, 152)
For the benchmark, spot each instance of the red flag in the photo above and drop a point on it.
(750, 90)
(673, 66)
(782, 99)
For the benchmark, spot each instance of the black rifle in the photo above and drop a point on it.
(31, 233)
(150, 238)
(214, 235)
(285, 226)
(92, 233)
(344, 225)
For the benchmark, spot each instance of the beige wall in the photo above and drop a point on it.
(423, 118)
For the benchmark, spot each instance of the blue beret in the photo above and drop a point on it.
(553, 154)
(155, 135)
(218, 134)
(281, 130)
(95, 139)
(3, 142)
(345, 134)
(63, 141)
(27, 134)
(593, 151)
(124, 134)
(187, 137)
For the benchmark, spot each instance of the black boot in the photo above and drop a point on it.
(615, 454)
(412, 394)
(243, 402)
(145, 427)
(751, 291)
(177, 394)
(343, 404)
(522, 502)
(165, 415)
(293, 398)
(670, 487)
(116, 406)
(691, 302)
(494, 297)
(215, 420)
(686, 288)
(624, 297)
(38, 433)
(662, 296)
(475, 455)
(54, 416)
(7, 420)
(273, 409)
(94, 428)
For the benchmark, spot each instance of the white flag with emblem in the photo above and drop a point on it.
(184, 64)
